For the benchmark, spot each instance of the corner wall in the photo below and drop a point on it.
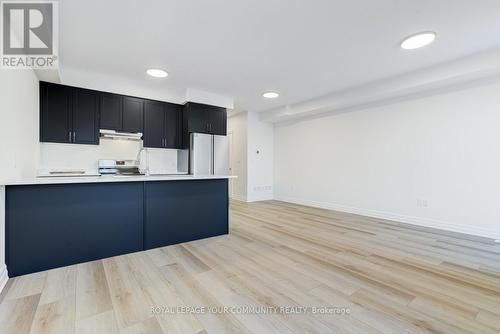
(260, 159)
(432, 162)
(252, 145)
(238, 136)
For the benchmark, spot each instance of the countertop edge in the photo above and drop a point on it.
(110, 179)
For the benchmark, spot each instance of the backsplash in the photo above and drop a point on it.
(85, 157)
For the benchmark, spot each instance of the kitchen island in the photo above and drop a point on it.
(54, 222)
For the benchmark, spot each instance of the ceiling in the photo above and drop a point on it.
(301, 49)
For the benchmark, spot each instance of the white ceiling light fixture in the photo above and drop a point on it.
(418, 40)
(270, 95)
(157, 73)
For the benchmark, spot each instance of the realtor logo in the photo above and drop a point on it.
(29, 31)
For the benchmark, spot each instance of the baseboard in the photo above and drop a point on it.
(252, 198)
(4, 277)
(261, 198)
(419, 221)
(239, 198)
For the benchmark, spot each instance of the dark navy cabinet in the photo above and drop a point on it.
(111, 111)
(173, 125)
(74, 115)
(121, 113)
(132, 114)
(55, 113)
(50, 226)
(180, 211)
(162, 125)
(202, 118)
(68, 114)
(85, 116)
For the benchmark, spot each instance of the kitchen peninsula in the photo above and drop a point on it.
(54, 222)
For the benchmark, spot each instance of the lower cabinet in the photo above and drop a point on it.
(51, 226)
(180, 211)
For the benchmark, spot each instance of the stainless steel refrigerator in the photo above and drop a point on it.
(208, 154)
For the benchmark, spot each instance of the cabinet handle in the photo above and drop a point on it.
(74, 136)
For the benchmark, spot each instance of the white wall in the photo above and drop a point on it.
(85, 157)
(70, 156)
(19, 125)
(237, 130)
(433, 161)
(18, 136)
(260, 159)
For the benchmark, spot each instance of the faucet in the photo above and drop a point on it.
(143, 165)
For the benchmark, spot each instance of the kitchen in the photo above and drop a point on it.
(118, 174)
(194, 167)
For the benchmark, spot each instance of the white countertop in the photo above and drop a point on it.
(104, 179)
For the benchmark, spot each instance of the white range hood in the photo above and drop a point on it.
(120, 135)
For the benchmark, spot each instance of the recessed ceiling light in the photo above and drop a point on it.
(270, 95)
(418, 40)
(157, 73)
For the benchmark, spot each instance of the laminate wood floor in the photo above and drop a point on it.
(354, 274)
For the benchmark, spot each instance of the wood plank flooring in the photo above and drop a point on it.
(391, 277)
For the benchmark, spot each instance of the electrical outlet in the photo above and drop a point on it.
(262, 188)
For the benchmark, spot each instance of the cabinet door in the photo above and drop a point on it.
(111, 112)
(173, 126)
(223, 126)
(218, 121)
(51, 226)
(85, 116)
(180, 211)
(198, 118)
(154, 124)
(133, 115)
(55, 113)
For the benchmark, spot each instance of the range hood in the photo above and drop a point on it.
(120, 135)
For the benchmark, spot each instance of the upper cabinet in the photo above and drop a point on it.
(111, 112)
(85, 116)
(75, 115)
(218, 122)
(122, 113)
(133, 114)
(173, 125)
(202, 118)
(68, 114)
(162, 125)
